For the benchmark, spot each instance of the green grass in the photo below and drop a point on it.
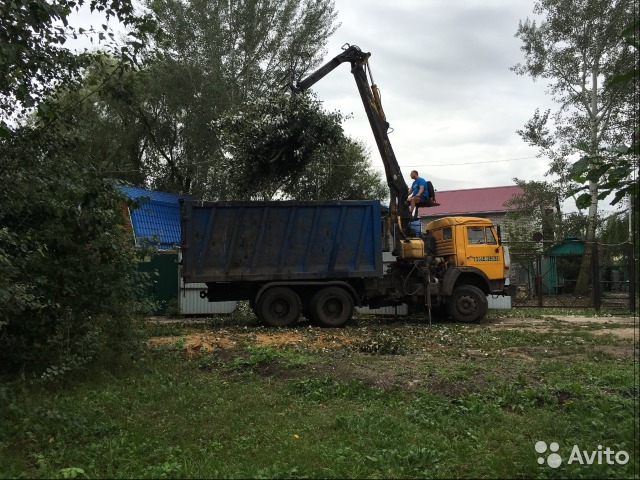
(402, 400)
(537, 312)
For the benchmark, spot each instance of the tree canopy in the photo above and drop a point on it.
(203, 116)
(34, 60)
(68, 271)
(576, 48)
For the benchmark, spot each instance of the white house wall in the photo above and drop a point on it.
(190, 303)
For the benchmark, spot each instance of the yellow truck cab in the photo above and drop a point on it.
(474, 261)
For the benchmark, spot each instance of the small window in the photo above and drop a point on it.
(446, 233)
(475, 235)
(491, 239)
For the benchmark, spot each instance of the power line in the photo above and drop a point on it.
(210, 162)
(469, 163)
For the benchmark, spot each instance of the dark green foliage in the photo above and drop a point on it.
(215, 56)
(616, 166)
(339, 172)
(68, 281)
(271, 141)
(34, 59)
(68, 272)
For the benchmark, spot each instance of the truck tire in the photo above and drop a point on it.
(279, 307)
(332, 307)
(467, 304)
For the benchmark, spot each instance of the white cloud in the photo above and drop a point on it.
(447, 91)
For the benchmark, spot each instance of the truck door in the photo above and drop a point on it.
(483, 251)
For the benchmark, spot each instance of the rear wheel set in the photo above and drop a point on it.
(281, 307)
(331, 307)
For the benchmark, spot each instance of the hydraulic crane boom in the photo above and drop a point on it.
(370, 95)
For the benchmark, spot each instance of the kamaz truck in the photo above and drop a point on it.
(320, 259)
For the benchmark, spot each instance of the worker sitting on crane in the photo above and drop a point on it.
(418, 193)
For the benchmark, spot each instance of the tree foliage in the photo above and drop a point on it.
(576, 47)
(271, 140)
(216, 56)
(288, 146)
(196, 122)
(33, 58)
(616, 168)
(341, 173)
(68, 275)
(617, 164)
(68, 272)
(536, 209)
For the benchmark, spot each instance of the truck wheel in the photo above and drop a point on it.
(467, 304)
(332, 307)
(279, 307)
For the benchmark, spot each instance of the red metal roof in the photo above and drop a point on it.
(472, 201)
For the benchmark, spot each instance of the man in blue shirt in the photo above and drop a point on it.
(418, 192)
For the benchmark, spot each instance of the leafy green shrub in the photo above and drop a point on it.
(69, 283)
(256, 356)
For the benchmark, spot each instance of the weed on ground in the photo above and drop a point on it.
(382, 398)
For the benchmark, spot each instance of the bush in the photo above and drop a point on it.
(69, 283)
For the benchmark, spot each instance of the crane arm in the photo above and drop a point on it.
(370, 96)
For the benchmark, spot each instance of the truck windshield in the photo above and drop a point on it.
(480, 236)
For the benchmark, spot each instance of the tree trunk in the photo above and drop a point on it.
(582, 284)
(584, 276)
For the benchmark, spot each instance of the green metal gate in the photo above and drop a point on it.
(164, 289)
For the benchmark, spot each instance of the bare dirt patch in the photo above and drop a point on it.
(625, 328)
(309, 338)
(194, 342)
(624, 333)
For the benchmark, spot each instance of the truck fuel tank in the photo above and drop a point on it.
(411, 249)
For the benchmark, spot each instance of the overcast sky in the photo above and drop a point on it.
(447, 91)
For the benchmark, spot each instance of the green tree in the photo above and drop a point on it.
(615, 229)
(341, 173)
(34, 60)
(69, 286)
(617, 164)
(162, 126)
(576, 47)
(216, 55)
(286, 146)
(68, 276)
(536, 209)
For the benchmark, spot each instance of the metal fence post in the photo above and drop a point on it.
(595, 277)
(631, 262)
(539, 279)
